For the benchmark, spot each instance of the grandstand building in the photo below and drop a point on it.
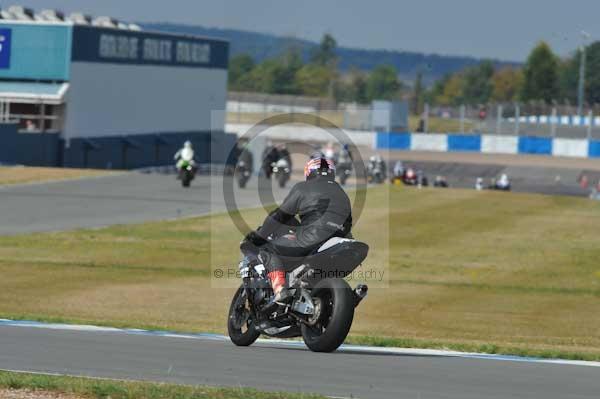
(83, 92)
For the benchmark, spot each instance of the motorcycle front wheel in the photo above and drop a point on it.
(240, 325)
(331, 327)
(282, 180)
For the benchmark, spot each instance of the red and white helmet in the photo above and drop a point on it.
(319, 167)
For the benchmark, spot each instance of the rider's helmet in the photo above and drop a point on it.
(187, 144)
(319, 167)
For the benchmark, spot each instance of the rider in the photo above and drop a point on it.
(377, 161)
(270, 155)
(325, 212)
(245, 156)
(284, 153)
(345, 156)
(185, 154)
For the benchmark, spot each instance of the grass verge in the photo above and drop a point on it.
(113, 389)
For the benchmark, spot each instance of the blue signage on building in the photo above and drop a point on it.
(94, 44)
(5, 43)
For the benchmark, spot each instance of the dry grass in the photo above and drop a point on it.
(27, 174)
(39, 386)
(35, 394)
(466, 269)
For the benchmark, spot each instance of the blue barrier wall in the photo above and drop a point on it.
(126, 152)
(464, 142)
(137, 151)
(40, 149)
(393, 141)
(535, 145)
(594, 149)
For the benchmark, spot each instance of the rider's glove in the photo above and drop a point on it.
(255, 239)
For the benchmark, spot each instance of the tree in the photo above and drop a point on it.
(325, 54)
(359, 87)
(352, 87)
(568, 76)
(451, 91)
(507, 83)
(239, 67)
(477, 84)
(592, 73)
(383, 83)
(313, 80)
(540, 75)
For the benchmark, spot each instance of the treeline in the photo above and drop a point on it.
(545, 77)
(319, 77)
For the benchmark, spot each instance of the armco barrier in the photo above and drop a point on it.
(535, 145)
(394, 141)
(429, 142)
(464, 142)
(594, 149)
(570, 148)
(499, 144)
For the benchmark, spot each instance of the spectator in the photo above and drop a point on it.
(30, 126)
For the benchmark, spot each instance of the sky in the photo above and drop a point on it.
(502, 29)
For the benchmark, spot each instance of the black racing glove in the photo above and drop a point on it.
(255, 239)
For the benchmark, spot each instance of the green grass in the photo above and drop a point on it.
(112, 389)
(477, 271)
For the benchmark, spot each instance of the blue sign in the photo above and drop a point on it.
(5, 41)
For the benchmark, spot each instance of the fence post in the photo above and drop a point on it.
(462, 118)
(499, 111)
(426, 118)
(553, 122)
(517, 118)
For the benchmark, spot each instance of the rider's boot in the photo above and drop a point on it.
(282, 294)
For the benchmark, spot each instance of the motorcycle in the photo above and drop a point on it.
(187, 172)
(502, 184)
(375, 174)
(322, 309)
(344, 171)
(243, 173)
(414, 178)
(281, 171)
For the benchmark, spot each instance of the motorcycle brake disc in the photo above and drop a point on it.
(316, 316)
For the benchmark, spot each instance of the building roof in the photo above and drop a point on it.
(33, 92)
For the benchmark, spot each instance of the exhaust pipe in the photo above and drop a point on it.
(360, 292)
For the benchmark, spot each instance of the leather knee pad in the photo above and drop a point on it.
(271, 261)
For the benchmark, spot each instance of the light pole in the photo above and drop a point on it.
(581, 90)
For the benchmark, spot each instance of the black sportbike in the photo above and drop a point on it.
(322, 309)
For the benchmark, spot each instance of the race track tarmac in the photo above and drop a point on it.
(280, 367)
(108, 200)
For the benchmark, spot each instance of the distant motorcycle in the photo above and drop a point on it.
(344, 170)
(243, 173)
(187, 172)
(414, 178)
(440, 182)
(375, 173)
(281, 171)
(322, 310)
(502, 184)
